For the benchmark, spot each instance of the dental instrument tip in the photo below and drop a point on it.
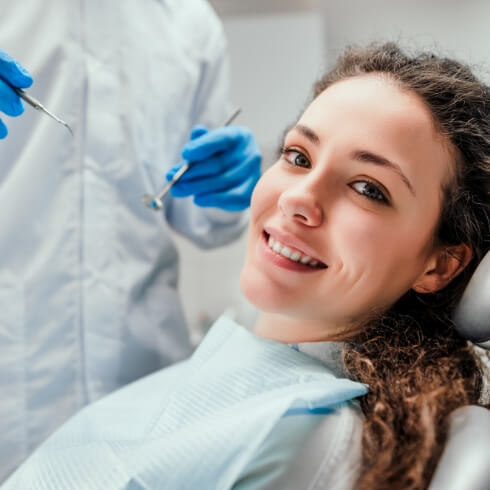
(67, 126)
(57, 119)
(152, 202)
(39, 107)
(156, 204)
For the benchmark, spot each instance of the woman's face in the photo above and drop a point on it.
(358, 189)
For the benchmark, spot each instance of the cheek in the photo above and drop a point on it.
(256, 200)
(253, 284)
(265, 195)
(375, 239)
(262, 202)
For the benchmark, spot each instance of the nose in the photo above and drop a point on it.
(300, 203)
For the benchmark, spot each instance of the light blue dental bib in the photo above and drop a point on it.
(195, 425)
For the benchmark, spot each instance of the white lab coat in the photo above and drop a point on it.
(88, 275)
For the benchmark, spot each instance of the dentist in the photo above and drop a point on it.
(88, 277)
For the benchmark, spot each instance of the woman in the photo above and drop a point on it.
(407, 234)
(365, 231)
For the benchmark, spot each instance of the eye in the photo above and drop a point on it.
(295, 157)
(370, 190)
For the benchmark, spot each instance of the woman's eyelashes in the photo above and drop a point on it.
(371, 191)
(295, 157)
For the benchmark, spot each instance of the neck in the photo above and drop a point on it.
(292, 330)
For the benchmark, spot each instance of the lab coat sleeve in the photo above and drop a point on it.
(208, 227)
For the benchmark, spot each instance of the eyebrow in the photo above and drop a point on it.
(308, 133)
(362, 156)
(367, 156)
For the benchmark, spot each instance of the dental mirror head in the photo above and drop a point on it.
(152, 202)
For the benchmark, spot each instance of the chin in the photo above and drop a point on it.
(255, 289)
(248, 286)
(261, 293)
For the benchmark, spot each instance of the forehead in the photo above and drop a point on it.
(374, 99)
(373, 111)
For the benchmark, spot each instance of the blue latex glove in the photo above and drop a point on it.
(16, 75)
(225, 168)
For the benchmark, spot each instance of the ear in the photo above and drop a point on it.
(442, 267)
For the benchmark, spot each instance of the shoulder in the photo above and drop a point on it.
(309, 451)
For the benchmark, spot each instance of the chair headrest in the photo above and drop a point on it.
(472, 316)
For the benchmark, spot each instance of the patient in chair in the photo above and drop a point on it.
(362, 238)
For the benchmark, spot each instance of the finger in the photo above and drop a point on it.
(236, 199)
(13, 72)
(207, 168)
(212, 142)
(198, 131)
(203, 168)
(10, 102)
(214, 183)
(3, 130)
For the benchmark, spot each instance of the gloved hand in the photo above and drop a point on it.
(10, 103)
(224, 170)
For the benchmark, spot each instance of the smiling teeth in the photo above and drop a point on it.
(295, 256)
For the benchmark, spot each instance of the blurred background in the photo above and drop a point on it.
(278, 48)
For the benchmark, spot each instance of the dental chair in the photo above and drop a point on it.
(465, 462)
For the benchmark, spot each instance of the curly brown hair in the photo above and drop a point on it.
(417, 366)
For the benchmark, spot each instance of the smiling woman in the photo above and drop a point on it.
(362, 238)
(385, 179)
(362, 186)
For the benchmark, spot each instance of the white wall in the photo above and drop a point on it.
(227, 8)
(458, 29)
(274, 61)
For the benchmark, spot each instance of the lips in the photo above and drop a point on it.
(292, 248)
